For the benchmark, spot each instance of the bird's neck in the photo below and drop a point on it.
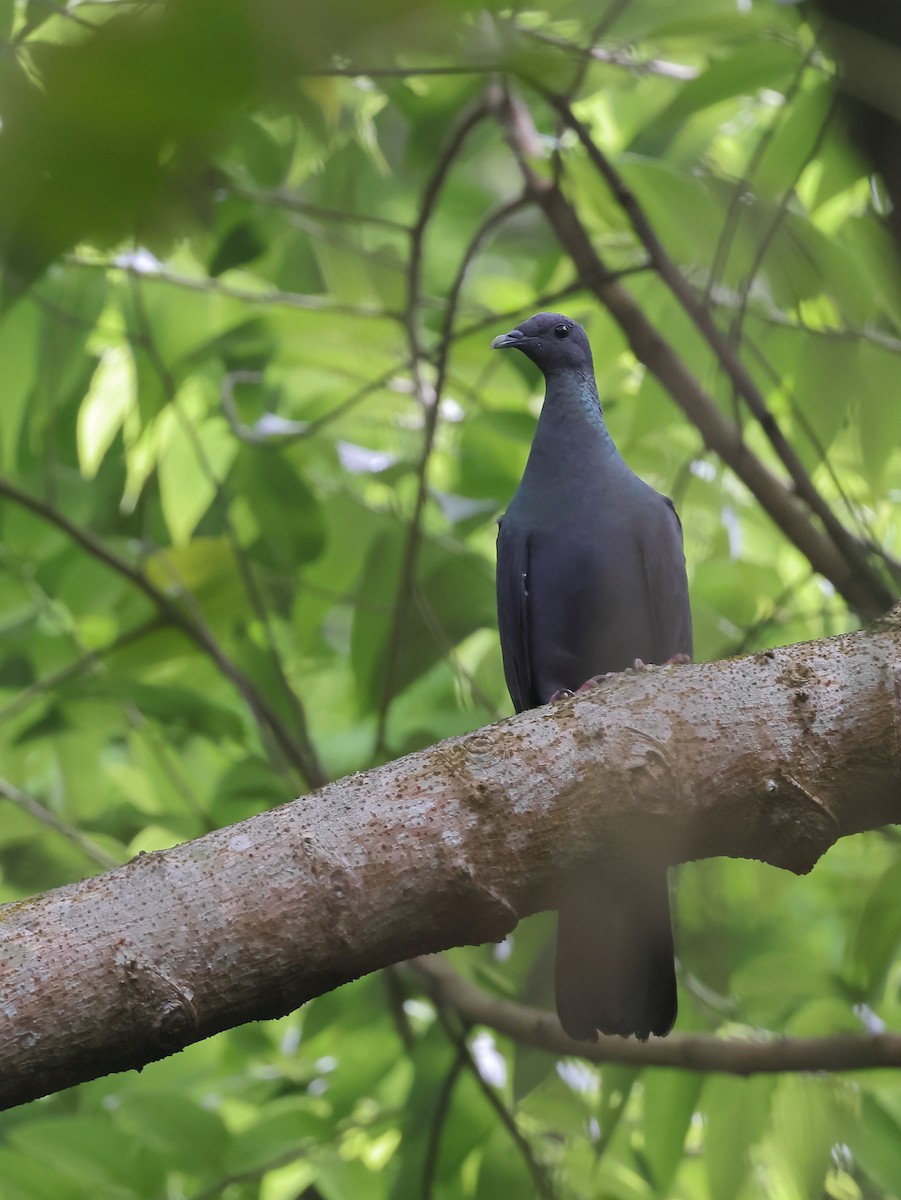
(572, 409)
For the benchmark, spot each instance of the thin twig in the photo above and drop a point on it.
(536, 1169)
(313, 772)
(280, 198)
(71, 833)
(270, 297)
(849, 547)
(384, 72)
(868, 597)
(171, 611)
(773, 226)
(430, 404)
(614, 58)
(743, 186)
(689, 1051)
(439, 1119)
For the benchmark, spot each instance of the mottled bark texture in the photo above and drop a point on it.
(772, 756)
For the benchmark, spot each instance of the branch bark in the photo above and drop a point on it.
(773, 756)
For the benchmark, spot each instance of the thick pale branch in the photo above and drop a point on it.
(773, 756)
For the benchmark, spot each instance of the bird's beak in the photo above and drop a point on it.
(513, 338)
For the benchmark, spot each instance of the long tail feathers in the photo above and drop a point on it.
(615, 970)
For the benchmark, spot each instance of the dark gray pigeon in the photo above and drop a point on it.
(591, 577)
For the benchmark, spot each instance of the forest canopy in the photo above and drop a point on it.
(254, 255)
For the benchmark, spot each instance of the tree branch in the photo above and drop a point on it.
(874, 594)
(773, 756)
(170, 609)
(42, 814)
(314, 772)
(689, 1051)
(720, 434)
(430, 405)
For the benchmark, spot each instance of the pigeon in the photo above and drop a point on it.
(591, 580)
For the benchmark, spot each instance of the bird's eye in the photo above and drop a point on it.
(561, 331)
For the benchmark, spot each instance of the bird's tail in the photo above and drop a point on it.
(615, 971)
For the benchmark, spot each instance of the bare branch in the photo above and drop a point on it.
(430, 405)
(866, 596)
(314, 772)
(44, 816)
(175, 615)
(151, 271)
(743, 186)
(689, 1051)
(540, 1178)
(869, 584)
(619, 57)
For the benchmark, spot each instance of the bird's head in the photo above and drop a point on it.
(553, 343)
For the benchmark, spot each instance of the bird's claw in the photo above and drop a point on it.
(595, 680)
(677, 659)
(638, 664)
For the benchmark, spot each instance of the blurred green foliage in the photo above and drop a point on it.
(210, 225)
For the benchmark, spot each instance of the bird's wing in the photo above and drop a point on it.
(667, 587)
(513, 611)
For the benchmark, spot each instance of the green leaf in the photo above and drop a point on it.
(444, 1103)
(493, 451)
(503, 1171)
(736, 1113)
(290, 525)
(617, 1083)
(670, 1099)
(878, 419)
(685, 215)
(185, 1135)
(453, 595)
(193, 464)
(805, 1125)
(796, 134)
(207, 568)
(91, 1153)
(18, 367)
(111, 402)
(36, 1177)
(756, 65)
(288, 1124)
(876, 1143)
(874, 943)
(183, 709)
(241, 244)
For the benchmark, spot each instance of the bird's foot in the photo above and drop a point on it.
(638, 664)
(595, 680)
(586, 686)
